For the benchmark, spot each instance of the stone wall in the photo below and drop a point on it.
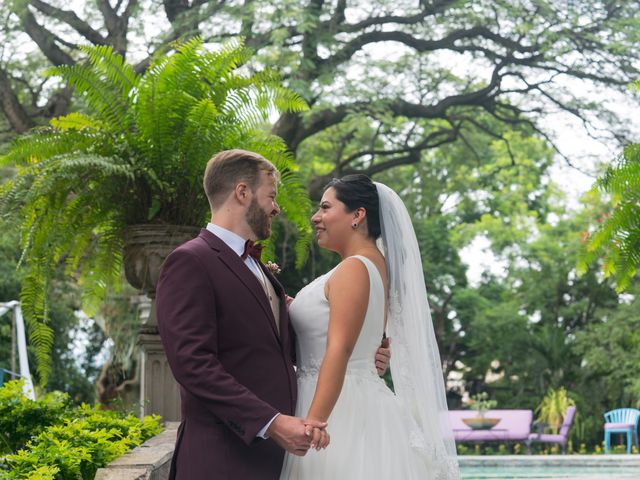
(149, 461)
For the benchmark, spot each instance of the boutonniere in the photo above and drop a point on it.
(273, 268)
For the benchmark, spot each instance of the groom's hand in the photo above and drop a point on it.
(319, 436)
(291, 433)
(383, 355)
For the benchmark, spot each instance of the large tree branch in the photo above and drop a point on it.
(174, 8)
(13, 110)
(291, 128)
(427, 10)
(117, 25)
(310, 43)
(185, 17)
(433, 140)
(408, 155)
(45, 40)
(408, 147)
(70, 18)
(338, 16)
(260, 40)
(422, 45)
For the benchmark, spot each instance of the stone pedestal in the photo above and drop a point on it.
(159, 392)
(145, 248)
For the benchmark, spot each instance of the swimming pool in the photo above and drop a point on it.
(566, 467)
(551, 473)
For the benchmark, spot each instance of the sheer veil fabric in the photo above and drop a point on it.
(416, 366)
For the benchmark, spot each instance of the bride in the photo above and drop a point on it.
(340, 319)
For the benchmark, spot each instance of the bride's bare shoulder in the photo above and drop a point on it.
(350, 276)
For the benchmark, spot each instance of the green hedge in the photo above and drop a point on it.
(22, 419)
(52, 440)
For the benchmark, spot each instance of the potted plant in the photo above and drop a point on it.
(125, 173)
(552, 409)
(480, 402)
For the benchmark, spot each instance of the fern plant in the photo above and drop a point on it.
(137, 156)
(618, 236)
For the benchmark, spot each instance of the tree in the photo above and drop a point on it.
(611, 352)
(618, 235)
(407, 77)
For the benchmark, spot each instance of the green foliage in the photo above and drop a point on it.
(553, 407)
(137, 157)
(70, 372)
(610, 352)
(52, 440)
(22, 418)
(617, 238)
(481, 403)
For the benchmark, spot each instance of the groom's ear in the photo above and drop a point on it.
(242, 192)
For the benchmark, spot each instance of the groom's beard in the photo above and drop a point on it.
(259, 221)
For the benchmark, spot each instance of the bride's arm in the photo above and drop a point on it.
(348, 294)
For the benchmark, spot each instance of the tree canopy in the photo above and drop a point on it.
(415, 75)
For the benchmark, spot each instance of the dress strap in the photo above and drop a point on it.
(371, 266)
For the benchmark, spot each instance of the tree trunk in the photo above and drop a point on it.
(15, 113)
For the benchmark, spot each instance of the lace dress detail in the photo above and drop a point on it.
(372, 435)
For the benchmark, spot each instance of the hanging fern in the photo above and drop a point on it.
(137, 156)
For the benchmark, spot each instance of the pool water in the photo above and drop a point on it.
(569, 473)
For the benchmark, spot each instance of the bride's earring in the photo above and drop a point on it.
(354, 225)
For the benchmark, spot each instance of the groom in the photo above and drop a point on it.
(223, 321)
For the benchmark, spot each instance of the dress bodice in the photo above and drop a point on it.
(371, 434)
(309, 314)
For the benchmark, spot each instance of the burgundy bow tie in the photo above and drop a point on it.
(253, 249)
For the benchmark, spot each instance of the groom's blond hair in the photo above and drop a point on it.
(230, 167)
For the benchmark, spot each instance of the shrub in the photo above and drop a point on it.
(71, 443)
(22, 419)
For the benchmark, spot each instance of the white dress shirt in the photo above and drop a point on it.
(236, 243)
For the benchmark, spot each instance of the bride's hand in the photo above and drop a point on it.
(383, 356)
(288, 299)
(319, 436)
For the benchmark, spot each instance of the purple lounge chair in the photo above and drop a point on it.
(560, 438)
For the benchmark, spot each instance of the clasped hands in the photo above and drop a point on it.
(297, 435)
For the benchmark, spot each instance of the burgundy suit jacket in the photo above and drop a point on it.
(234, 369)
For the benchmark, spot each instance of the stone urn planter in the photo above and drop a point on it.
(146, 247)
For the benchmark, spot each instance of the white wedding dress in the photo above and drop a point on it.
(372, 435)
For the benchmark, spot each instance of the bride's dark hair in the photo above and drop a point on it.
(358, 191)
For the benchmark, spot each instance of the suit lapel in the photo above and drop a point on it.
(277, 286)
(237, 266)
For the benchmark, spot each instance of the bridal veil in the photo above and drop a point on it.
(416, 367)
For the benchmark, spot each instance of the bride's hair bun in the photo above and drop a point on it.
(358, 191)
